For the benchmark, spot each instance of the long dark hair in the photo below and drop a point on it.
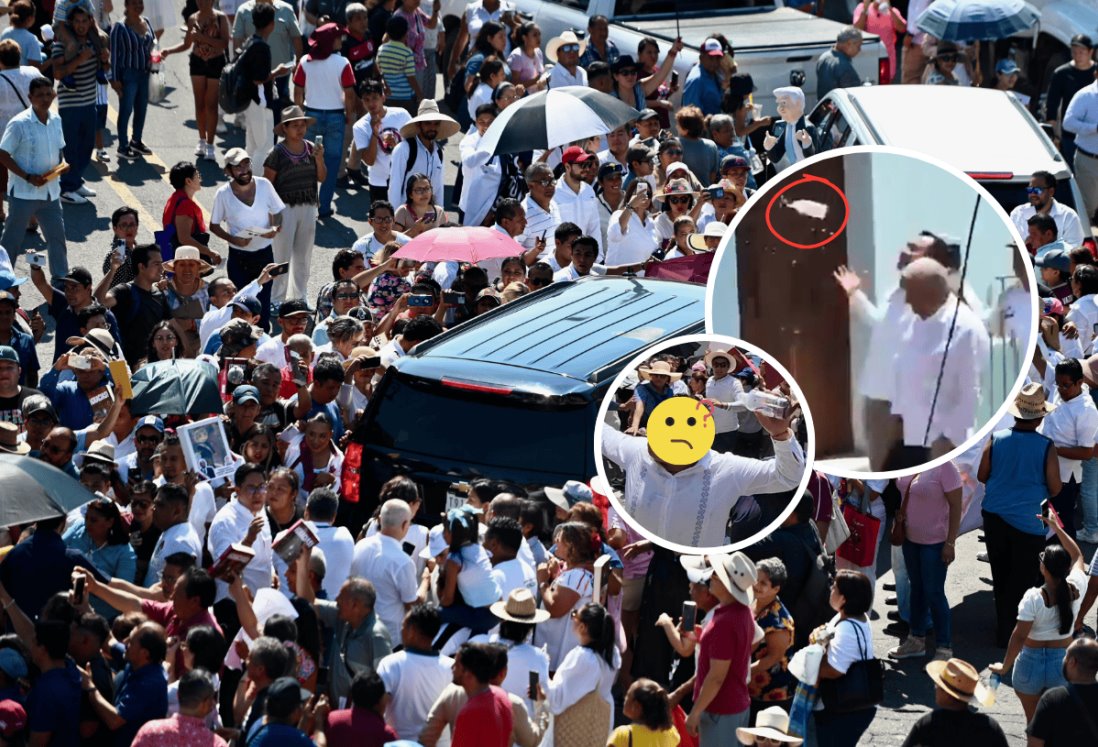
(487, 31)
(178, 350)
(1057, 562)
(601, 628)
(118, 533)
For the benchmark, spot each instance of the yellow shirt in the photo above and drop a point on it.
(643, 737)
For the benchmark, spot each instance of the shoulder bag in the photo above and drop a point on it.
(898, 534)
(861, 687)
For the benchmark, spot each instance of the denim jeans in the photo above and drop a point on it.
(329, 123)
(134, 100)
(928, 598)
(1088, 488)
(78, 125)
(243, 267)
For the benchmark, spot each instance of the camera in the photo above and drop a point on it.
(421, 300)
(79, 362)
(36, 260)
(715, 192)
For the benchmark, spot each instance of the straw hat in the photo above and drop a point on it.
(675, 188)
(520, 607)
(1030, 404)
(566, 38)
(188, 254)
(659, 368)
(771, 723)
(9, 440)
(712, 355)
(100, 339)
(429, 112)
(293, 114)
(737, 573)
(99, 451)
(958, 678)
(714, 229)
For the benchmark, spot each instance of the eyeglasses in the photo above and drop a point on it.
(680, 200)
(1035, 190)
(140, 505)
(253, 489)
(542, 182)
(381, 219)
(421, 190)
(720, 364)
(41, 421)
(569, 48)
(164, 338)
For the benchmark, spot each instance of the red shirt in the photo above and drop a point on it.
(177, 731)
(485, 721)
(179, 204)
(164, 614)
(727, 637)
(358, 727)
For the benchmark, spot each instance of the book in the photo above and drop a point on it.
(288, 544)
(55, 172)
(232, 561)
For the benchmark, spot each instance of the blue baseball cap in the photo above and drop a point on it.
(12, 663)
(150, 421)
(250, 304)
(1007, 67)
(8, 279)
(7, 353)
(244, 393)
(1057, 259)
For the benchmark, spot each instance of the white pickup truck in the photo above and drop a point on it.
(772, 44)
(1047, 45)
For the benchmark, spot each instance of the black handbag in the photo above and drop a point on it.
(861, 687)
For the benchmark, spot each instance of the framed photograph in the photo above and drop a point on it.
(206, 449)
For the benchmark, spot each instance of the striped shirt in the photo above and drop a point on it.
(83, 93)
(397, 63)
(130, 51)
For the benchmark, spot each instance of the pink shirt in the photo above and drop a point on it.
(177, 731)
(417, 30)
(881, 25)
(927, 509)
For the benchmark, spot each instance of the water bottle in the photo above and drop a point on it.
(993, 682)
(155, 59)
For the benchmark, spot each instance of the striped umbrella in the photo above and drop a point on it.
(549, 119)
(974, 20)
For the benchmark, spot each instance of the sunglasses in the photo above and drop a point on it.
(345, 296)
(542, 182)
(539, 282)
(681, 200)
(569, 48)
(1035, 190)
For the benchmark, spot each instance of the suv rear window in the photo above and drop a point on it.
(1012, 194)
(489, 430)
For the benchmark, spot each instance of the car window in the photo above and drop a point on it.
(574, 4)
(838, 131)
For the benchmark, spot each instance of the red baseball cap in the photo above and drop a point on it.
(712, 48)
(576, 154)
(13, 719)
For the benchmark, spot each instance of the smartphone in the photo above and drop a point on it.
(372, 362)
(35, 259)
(453, 297)
(674, 78)
(409, 548)
(715, 192)
(430, 217)
(533, 685)
(79, 362)
(78, 589)
(119, 247)
(320, 141)
(280, 269)
(689, 615)
(421, 300)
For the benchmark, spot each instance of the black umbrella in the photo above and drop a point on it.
(33, 490)
(556, 117)
(176, 387)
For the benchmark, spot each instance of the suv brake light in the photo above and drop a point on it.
(988, 175)
(471, 386)
(884, 72)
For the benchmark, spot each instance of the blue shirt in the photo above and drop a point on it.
(54, 705)
(277, 735)
(592, 55)
(113, 561)
(29, 46)
(702, 90)
(36, 147)
(68, 324)
(648, 395)
(72, 405)
(331, 410)
(142, 696)
(1016, 485)
(37, 569)
(28, 356)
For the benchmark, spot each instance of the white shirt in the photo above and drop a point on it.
(635, 245)
(1084, 312)
(728, 389)
(914, 374)
(581, 208)
(481, 175)
(237, 216)
(1069, 230)
(382, 560)
(229, 526)
(417, 537)
(273, 351)
(582, 671)
(514, 574)
(482, 94)
(887, 328)
(368, 246)
(177, 538)
(540, 222)
(1081, 118)
(391, 121)
(571, 273)
(214, 319)
(556, 634)
(1013, 317)
(324, 80)
(391, 352)
(1073, 423)
(428, 161)
(414, 680)
(691, 507)
(339, 549)
(560, 77)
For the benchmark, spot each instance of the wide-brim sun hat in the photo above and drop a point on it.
(429, 112)
(566, 38)
(1031, 404)
(188, 253)
(293, 114)
(521, 607)
(659, 368)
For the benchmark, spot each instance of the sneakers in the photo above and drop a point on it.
(944, 653)
(102, 156)
(200, 149)
(140, 147)
(1091, 538)
(913, 647)
(127, 154)
(73, 198)
(85, 191)
(210, 154)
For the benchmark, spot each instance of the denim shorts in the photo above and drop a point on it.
(1038, 669)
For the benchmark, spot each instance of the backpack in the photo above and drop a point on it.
(812, 607)
(229, 96)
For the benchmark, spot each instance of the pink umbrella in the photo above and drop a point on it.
(460, 244)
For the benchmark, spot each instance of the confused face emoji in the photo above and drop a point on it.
(680, 431)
